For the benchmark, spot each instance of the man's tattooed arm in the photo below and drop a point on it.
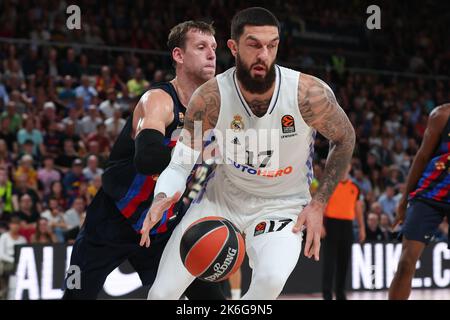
(320, 110)
(203, 108)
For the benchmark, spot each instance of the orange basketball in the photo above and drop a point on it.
(212, 249)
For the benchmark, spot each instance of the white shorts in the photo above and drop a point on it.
(224, 199)
(272, 248)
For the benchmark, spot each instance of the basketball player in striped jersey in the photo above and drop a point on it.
(261, 186)
(110, 233)
(426, 200)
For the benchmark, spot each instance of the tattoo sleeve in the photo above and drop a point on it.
(320, 110)
(203, 109)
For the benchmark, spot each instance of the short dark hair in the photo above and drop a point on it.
(254, 16)
(14, 220)
(177, 35)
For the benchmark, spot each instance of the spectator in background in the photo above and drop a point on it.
(6, 157)
(39, 33)
(138, 85)
(84, 65)
(395, 176)
(86, 91)
(109, 106)
(25, 168)
(4, 97)
(94, 149)
(57, 192)
(69, 66)
(43, 234)
(101, 138)
(67, 95)
(385, 151)
(398, 154)
(48, 115)
(84, 193)
(15, 120)
(55, 216)
(73, 178)
(52, 68)
(11, 68)
(338, 62)
(377, 182)
(6, 134)
(53, 140)
(125, 101)
(386, 227)
(27, 150)
(92, 169)
(388, 202)
(69, 133)
(376, 208)
(362, 182)
(8, 241)
(158, 76)
(22, 103)
(114, 125)
(120, 70)
(28, 217)
(72, 126)
(21, 187)
(104, 82)
(412, 148)
(48, 174)
(90, 122)
(373, 231)
(73, 216)
(6, 191)
(94, 185)
(65, 160)
(29, 132)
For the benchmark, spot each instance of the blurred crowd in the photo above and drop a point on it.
(61, 108)
(411, 37)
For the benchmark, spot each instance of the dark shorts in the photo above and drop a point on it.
(423, 217)
(105, 241)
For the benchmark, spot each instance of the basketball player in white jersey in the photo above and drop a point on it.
(262, 189)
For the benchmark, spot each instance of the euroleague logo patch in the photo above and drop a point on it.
(288, 124)
(260, 228)
(274, 226)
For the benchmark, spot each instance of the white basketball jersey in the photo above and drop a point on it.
(270, 156)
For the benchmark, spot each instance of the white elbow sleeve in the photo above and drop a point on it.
(174, 177)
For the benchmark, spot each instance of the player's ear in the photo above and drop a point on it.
(177, 55)
(232, 45)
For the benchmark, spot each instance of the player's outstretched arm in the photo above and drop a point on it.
(436, 123)
(320, 110)
(153, 113)
(201, 116)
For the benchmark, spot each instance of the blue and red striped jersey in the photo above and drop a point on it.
(130, 191)
(435, 181)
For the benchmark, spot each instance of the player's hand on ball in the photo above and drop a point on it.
(155, 214)
(312, 217)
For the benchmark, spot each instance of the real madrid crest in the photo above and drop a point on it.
(237, 124)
